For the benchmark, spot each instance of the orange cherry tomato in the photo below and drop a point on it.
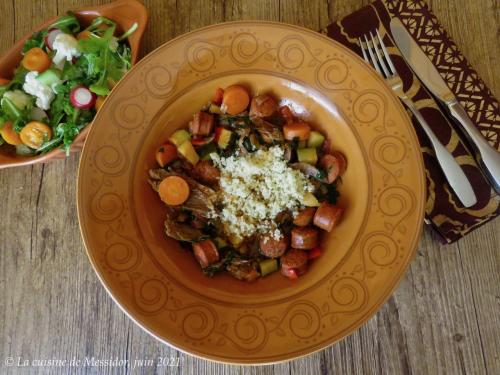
(35, 133)
(9, 135)
(36, 59)
(83, 35)
(99, 102)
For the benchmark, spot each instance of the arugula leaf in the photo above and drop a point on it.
(10, 109)
(228, 255)
(129, 32)
(37, 40)
(3, 118)
(96, 25)
(320, 175)
(104, 62)
(68, 24)
(16, 82)
(67, 132)
(3, 89)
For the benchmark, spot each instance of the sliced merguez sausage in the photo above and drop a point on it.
(272, 248)
(202, 124)
(205, 253)
(327, 216)
(263, 106)
(205, 172)
(305, 217)
(305, 238)
(295, 260)
(331, 165)
(342, 161)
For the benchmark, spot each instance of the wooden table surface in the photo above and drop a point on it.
(443, 318)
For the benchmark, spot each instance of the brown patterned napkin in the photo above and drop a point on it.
(444, 211)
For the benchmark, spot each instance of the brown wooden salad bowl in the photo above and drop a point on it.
(160, 285)
(125, 13)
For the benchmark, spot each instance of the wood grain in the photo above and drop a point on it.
(443, 318)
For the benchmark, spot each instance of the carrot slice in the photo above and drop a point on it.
(9, 135)
(4, 82)
(174, 190)
(36, 59)
(235, 100)
(165, 154)
(298, 130)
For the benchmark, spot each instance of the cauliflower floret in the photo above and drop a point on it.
(19, 98)
(44, 94)
(66, 47)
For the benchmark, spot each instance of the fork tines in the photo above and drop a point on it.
(375, 47)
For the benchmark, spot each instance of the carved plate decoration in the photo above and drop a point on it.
(160, 286)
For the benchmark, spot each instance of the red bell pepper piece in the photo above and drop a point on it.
(315, 253)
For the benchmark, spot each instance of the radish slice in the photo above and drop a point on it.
(82, 98)
(51, 36)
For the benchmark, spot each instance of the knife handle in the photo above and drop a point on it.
(487, 157)
(451, 169)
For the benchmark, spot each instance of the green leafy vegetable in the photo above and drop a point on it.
(129, 32)
(96, 25)
(68, 24)
(248, 145)
(235, 122)
(320, 175)
(10, 109)
(18, 79)
(104, 61)
(328, 192)
(36, 40)
(228, 255)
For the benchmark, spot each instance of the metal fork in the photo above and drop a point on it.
(375, 54)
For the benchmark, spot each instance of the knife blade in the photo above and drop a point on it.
(488, 158)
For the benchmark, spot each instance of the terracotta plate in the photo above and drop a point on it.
(160, 286)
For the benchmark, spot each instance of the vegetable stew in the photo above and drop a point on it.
(249, 186)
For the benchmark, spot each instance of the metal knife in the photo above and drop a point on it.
(487, 157)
